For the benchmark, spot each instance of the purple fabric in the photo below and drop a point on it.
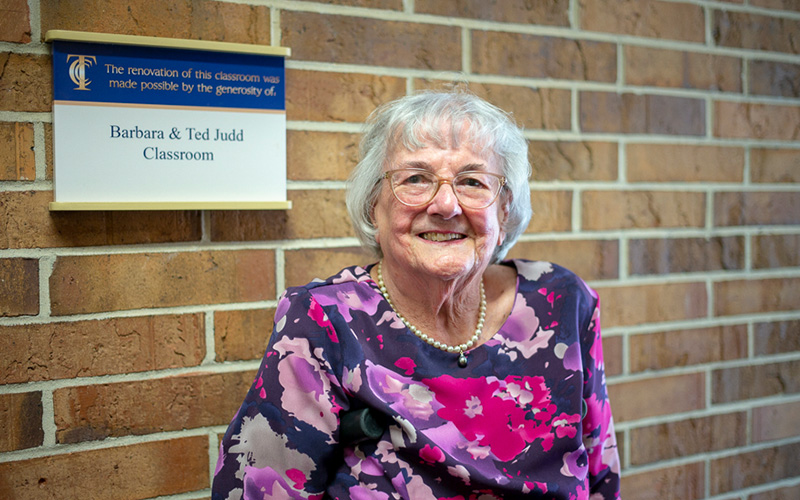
(509, 425)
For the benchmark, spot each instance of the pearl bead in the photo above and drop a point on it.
(462, 357)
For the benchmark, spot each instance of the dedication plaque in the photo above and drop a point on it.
(144, 123)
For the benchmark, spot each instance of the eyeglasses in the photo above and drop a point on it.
(415, 187)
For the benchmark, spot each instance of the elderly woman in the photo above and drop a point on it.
(469, 376)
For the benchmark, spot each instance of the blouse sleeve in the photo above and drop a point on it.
(283, 441)
(598, 424)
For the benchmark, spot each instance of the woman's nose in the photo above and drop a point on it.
(444, 202)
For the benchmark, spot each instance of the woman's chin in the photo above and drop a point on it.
(451, 266)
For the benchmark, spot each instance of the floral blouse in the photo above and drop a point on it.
(527, 417)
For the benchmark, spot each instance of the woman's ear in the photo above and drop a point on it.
(374, 224)
(502, 218)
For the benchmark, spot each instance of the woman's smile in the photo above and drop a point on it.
(441, 237)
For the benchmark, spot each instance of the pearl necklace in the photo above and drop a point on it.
(462, 357)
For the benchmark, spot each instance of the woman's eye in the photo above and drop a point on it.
(471, 182)
(417, 179)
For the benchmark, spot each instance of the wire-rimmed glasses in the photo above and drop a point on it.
(415, 187)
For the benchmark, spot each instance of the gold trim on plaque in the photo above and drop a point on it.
(172, 43)
(56, 206)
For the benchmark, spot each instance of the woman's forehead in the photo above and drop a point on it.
(431, 156)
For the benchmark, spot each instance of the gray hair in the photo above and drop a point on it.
(413, 121)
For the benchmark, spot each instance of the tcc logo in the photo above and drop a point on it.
(77, 70)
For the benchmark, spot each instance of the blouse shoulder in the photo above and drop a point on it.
(346, 278)
(553, 280)
(548, 273)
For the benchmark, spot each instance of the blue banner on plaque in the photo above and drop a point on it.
(174, 77)
(135, 122)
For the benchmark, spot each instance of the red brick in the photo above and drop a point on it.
(533, 56)
(756, 296)
(636, 305)
(15, 23)
(552, 13)
(684, 482)
(612, 357)
(320, 156)
(788, 493)
(30, 224)
(317, 213)
(93, 412)
(688, 437)
(651, 67)
(132, 472)
(373, 4)
(48, 153)
(648, 18)
(21, 415)
(52, 351)
(19, 287)
(777, 4)
(606, 112)
(748, 469)
(338, 97)
(95, 283)
(590, 259)
(755, 381)
(776, 337)
(774, 78)
(304, 265)
(760, 208)
(776, 250)
(542, 109)
(357, 40)
(657, 396)
(684, 163)
(214, 20)
(776, 422)
(16, 151)
(604, 210)
(775, 165)
(211, 20)
(664, 350)
(242, 334)
(25, 82)
(552, 211)
(745, 30)
(573, 161)
(741, 120)
(685, 255)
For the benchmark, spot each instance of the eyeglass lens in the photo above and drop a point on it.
(417, 187)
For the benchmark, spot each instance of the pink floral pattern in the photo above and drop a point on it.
(529, 416)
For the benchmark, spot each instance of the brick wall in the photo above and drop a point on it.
(666, 141)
